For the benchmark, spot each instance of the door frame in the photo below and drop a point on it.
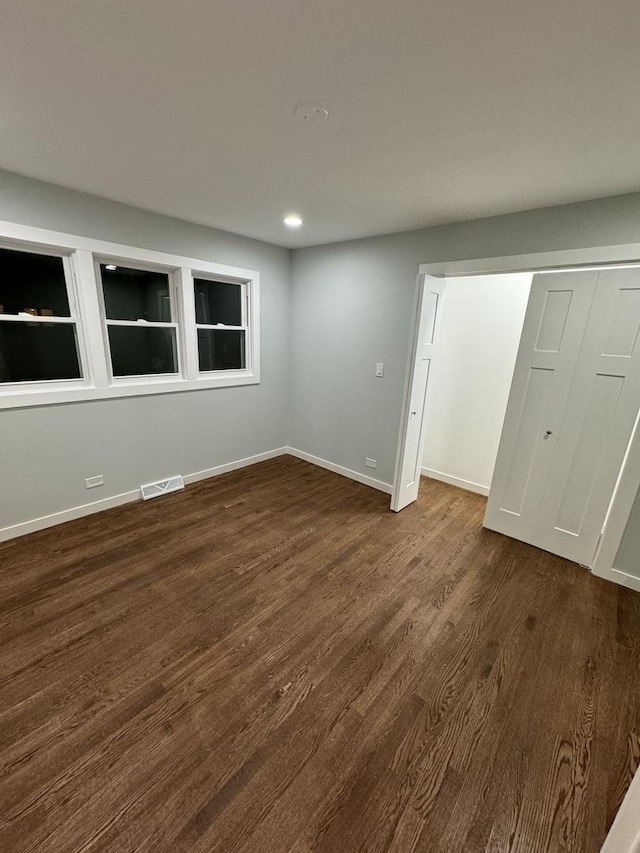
(616, 521)
(561, 260)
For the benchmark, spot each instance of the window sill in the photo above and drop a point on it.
(19, 398)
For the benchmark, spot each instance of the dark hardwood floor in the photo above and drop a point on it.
(271, 661)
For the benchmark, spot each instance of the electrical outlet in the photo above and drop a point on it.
(92, 482)
(370, 463)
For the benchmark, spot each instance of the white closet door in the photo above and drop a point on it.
(600, 414)
(552, 335)
(428, 311)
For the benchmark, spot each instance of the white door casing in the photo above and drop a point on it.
(618, 517)
(427, 315)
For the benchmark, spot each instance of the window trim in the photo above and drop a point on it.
(85, 291)
(245, 309)
(74, 319)
(174, 299)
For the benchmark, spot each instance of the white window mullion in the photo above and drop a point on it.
(39, 319)
(86, 287)
(137, 324)
(220, 327)
(189, 337)
(252, 340)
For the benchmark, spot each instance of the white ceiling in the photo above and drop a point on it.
(440, 110)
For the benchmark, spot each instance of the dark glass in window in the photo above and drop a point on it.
(218, 302)
(32, 283)
(221, 349)
(139, 351)
(136, 294)
(33, 352)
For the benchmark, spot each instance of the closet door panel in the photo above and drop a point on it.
(600, 415)
(552, 336)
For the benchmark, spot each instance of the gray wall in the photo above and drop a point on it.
(46, 452)
(349, 307)
(628, 557)
(352, 305)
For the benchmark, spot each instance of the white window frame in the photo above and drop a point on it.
(245, 303)
(74, 318)
(174, 297)
(84, 288)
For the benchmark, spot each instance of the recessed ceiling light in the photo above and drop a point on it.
(292, 220)
(111, 267)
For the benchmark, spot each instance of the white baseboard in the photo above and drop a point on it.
(234, 466)
(25, 527)
(456, 481)
(339, 469)
(34, 524)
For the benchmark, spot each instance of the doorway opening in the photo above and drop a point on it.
(573, 336)
(480, 330)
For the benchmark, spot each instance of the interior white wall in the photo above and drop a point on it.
(46, 452)
(480, 329)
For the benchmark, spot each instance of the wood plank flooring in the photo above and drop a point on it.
(271, 661)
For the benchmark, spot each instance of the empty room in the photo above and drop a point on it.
(319, 426)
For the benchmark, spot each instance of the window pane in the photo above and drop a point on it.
(34, 284)
(221, 349)
(136, 294)
(218, 302)
(32, 352)
(140, 351)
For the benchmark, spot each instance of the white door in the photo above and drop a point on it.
(553, 329)
(598, 424)
(571, 412)
(409, 463)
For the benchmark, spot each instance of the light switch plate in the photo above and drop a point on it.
(380, 369)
